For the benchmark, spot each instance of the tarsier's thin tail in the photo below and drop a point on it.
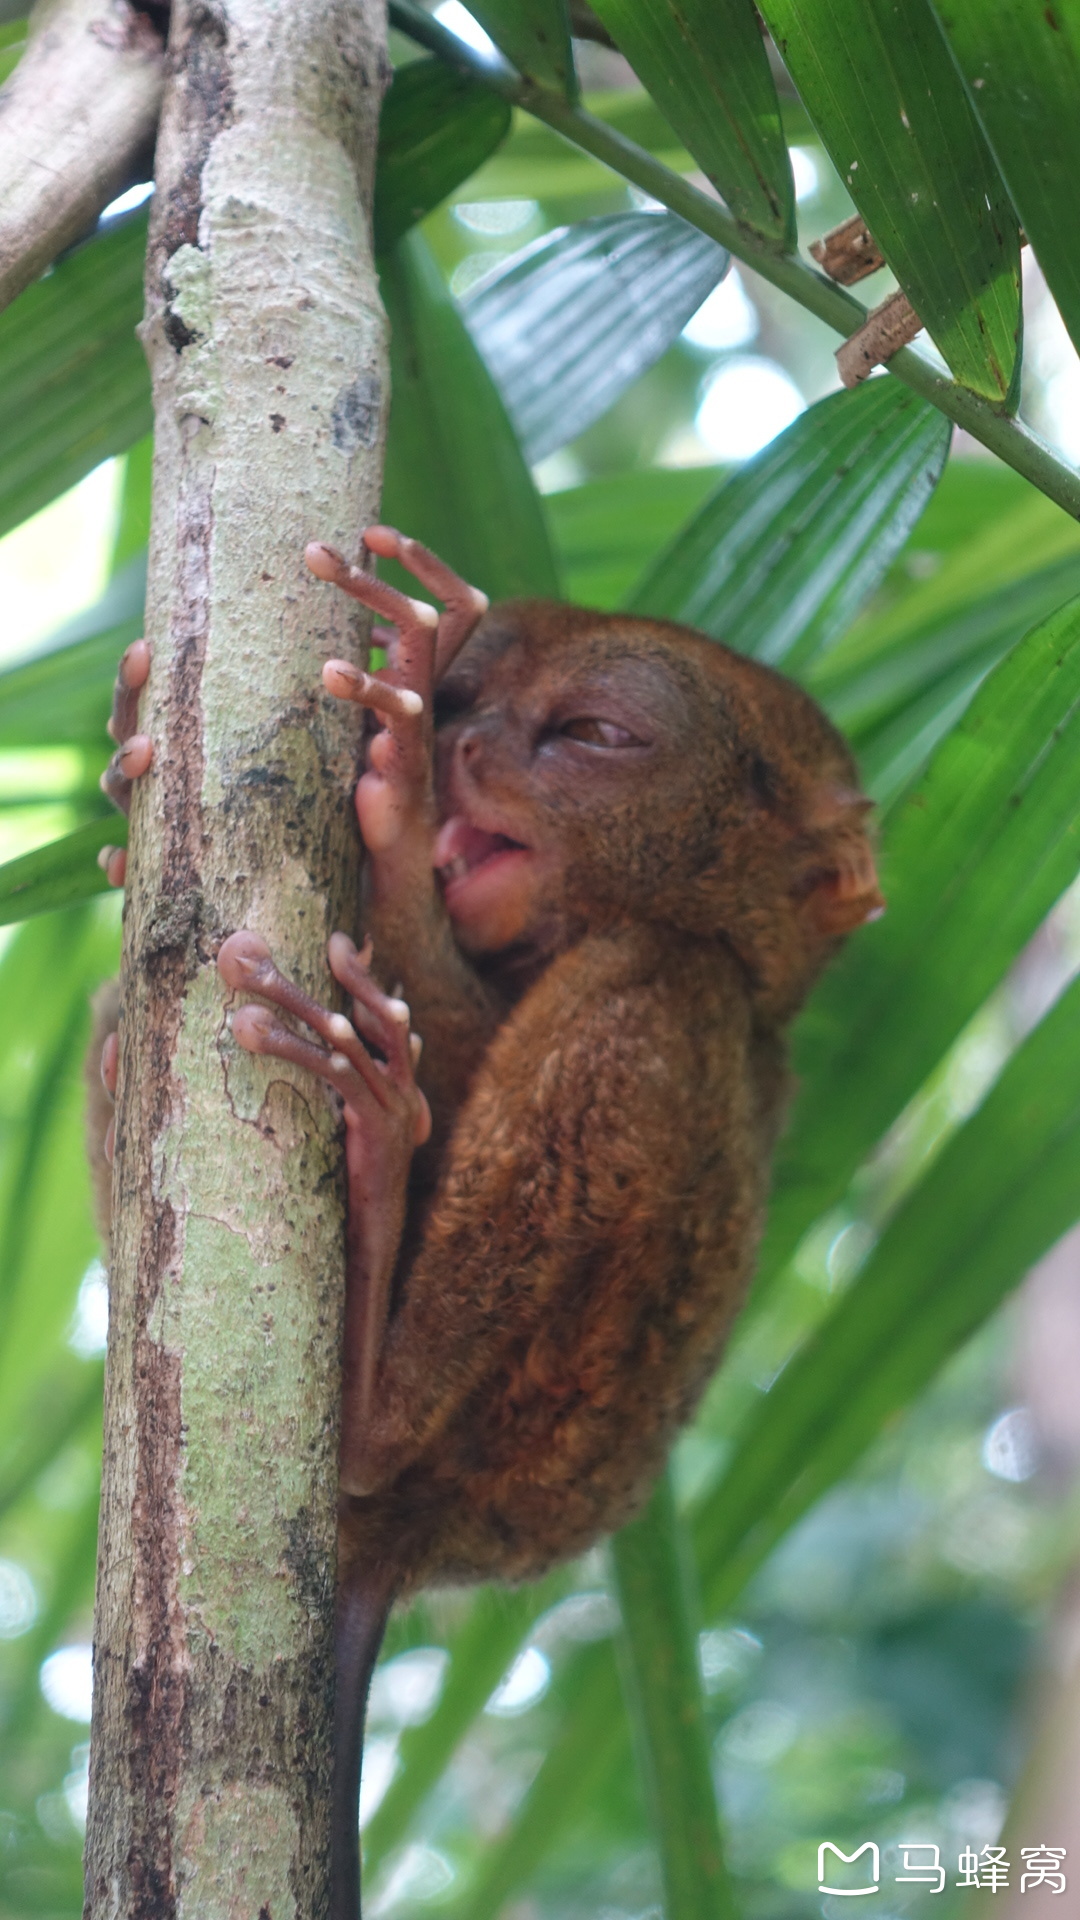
(364, 1602)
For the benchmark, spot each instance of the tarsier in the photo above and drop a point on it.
(607, 858)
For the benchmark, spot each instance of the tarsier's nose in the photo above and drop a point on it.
(476, 736)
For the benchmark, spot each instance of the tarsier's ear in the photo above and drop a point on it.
(843, 887)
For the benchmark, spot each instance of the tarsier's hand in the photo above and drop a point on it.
(134, 753)
(395, 801)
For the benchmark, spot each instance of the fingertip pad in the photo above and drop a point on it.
(135, 665)
(387, 542)
(324, 561)
(343, 680)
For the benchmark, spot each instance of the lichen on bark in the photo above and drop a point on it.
(211, 1738)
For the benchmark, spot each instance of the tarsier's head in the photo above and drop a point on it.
(597, 767)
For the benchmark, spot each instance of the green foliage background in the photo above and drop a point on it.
(827, 1613)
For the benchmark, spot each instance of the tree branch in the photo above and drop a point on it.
(78, 111)
(1000, 432)
(213, 1698)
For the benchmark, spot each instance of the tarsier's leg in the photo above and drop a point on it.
(386, 1117)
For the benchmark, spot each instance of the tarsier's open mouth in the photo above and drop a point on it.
(460, 848)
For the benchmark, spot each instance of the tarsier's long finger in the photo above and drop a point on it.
(464, 604)
(413, 653)
(347, 682)
(127, 765)
(258, 1032)
(370, 1025)
(131, 678)
(246, 964)
(398, 754)
(384, 1019)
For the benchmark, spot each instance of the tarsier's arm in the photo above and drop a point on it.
(404, 914)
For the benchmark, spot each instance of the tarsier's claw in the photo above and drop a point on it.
(254, 1028)
(134, 756)
(242, 958)
(325, 562)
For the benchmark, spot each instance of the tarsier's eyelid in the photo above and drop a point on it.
(591, 730)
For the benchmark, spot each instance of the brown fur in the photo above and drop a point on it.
(596, 1204)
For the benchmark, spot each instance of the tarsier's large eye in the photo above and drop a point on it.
(598, 733)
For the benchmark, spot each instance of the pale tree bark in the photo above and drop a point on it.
(211, 1740)
(77, 121)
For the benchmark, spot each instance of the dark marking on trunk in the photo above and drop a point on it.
(200, 102)
(177, 333)
(157, 1703)
(354, 421)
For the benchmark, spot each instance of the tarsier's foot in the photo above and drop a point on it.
(386, 1117)
(394, 800)
(370, 1087)
(134, 753)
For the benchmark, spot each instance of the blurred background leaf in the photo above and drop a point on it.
(783, 557)
(572, 322)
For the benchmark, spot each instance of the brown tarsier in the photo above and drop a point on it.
(607, 859)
